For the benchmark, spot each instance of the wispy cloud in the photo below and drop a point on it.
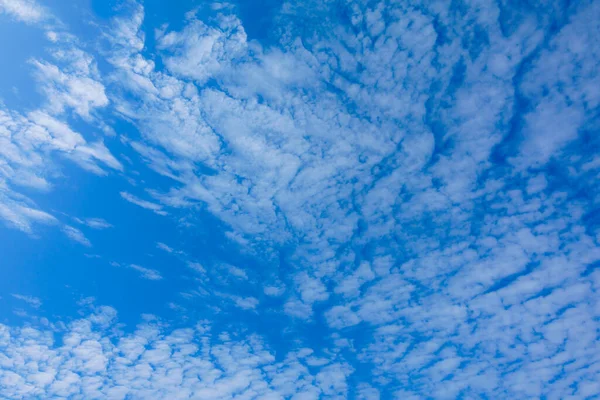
(32, 301)
(147, 273)
(76, 235)
(157, 208)
(97, 223)
(19, 214)
(164, 247)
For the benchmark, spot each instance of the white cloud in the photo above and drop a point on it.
(24, 10)
(196, 267)
(97, 223)
(19, 214)
(155, 361)
(407, 165)
(247, 303)
(76, 235)
(390, 155)
(32, 301)
(235, 271)
(200, 51)
(164, 247)
(298, 309)
(74, 88)
(157, 208)
(560, 86)
(430, 177)
(351, 284)
(274, 291)
(29, 143)
(147, 273)
(310, 289)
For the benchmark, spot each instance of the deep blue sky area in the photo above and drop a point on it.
(299, 200)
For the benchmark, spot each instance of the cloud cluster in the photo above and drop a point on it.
(24, 10)
(419, 182)
(410, 161)
(96, 358)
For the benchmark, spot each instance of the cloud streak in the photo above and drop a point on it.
(157, 208)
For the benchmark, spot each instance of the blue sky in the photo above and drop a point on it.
(299, 199)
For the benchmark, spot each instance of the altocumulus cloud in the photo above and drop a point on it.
(95, 359)
(418, 181)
